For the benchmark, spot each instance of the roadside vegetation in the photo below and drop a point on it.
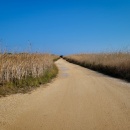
(23, 71)
(113, 64)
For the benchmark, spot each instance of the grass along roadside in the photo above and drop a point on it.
(24, 72)
(113, 64)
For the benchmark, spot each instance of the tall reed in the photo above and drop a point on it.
(114, 64)
(20, 66)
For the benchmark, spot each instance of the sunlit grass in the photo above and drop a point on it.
(115, 64)
(19, 72)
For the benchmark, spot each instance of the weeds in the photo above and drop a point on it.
(114, 64)
(22, 72)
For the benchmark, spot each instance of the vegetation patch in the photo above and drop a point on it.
(29, 83)
(113, 64)
(24, 72)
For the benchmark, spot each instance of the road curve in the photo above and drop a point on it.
(78, 99)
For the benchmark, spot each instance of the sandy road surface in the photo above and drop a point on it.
(78, 99)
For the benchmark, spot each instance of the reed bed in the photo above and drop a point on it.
(22, 70)
(114, 64)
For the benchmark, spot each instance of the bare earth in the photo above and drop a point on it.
(78, 99)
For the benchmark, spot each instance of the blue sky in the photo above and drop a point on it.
(65, 26)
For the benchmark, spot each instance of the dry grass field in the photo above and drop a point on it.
(20, 72)
(114, 64)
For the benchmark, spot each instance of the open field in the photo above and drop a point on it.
(114, 64)
(21, 72)
(78, 99)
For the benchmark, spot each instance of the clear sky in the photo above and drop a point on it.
(65, 26)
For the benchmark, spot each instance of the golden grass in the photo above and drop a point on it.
(25, 70)
(19, 66)
(115, 64)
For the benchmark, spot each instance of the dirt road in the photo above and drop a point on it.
(78, 99)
